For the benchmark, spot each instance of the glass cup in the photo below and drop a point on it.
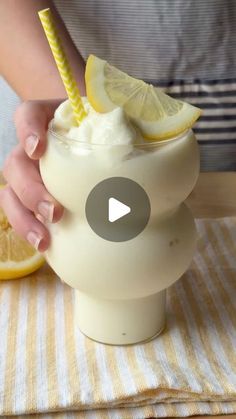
(120, 287)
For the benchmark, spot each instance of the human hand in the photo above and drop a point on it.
(25, 199)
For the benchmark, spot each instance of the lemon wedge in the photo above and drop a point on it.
(17, 257)
(157, 115)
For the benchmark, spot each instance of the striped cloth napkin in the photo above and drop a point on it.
(51, 370)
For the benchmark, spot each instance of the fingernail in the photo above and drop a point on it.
(34, 239)
(31, 144)
(40, 218)
(46, 209)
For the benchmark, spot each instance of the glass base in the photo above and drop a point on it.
(120, 322)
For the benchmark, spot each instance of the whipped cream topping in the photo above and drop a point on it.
(97, 128)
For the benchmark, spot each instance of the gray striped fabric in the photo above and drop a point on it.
(216, 129)
(157, 39)
(185, 46)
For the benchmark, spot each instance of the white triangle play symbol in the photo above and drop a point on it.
(116, 209)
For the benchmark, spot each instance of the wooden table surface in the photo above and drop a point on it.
(213, 196)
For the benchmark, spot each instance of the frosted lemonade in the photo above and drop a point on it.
(120, 285)
(126, 133)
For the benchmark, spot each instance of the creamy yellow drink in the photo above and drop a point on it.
(120, 286)
(125, 235)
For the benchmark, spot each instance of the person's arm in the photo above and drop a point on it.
(26, 61)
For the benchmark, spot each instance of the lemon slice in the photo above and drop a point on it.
(17, 257)
(156, 114)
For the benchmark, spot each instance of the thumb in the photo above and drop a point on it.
(31, 121)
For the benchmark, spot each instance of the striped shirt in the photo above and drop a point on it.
(186, 47)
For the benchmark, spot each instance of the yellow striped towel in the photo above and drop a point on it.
(47, 366)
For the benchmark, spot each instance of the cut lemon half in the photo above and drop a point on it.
(17, 257)
(158, 115)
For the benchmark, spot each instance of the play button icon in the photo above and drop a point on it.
(117, 209)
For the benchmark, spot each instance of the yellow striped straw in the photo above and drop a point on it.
(62, 63)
